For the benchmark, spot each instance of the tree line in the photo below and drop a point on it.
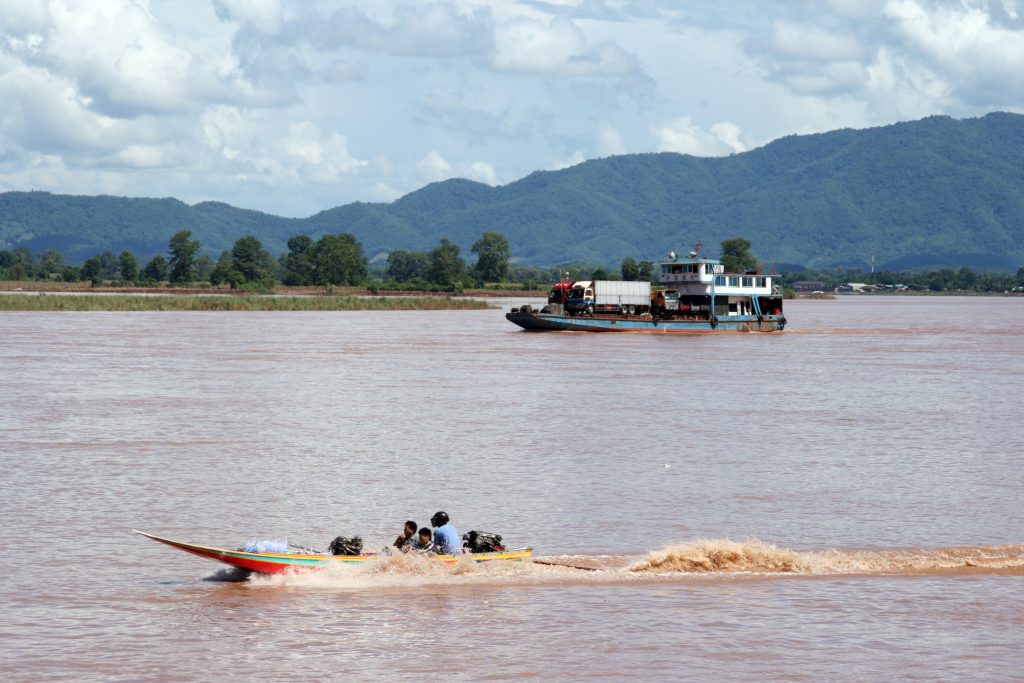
(331, 260)
(338, 260)
(963, 279)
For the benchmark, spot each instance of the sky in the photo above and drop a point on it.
(295, 107)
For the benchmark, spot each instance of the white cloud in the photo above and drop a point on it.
(320, 158)
(859, 9)
(435, 29)
(903, 88)
(434, 167)
(962, 42)
(142, 156)
(265, 15)
(575, 158)
(684, 136)
(483, 172)
(812, 42)
(557, 46)
(278, 106)
(729, 133)
(609, 141)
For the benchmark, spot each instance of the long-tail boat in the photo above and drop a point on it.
(281, 563)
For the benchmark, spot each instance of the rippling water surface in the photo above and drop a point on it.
(866, 465)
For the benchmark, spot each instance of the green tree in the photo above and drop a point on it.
(129, 266)
(21, 264)
(298, 262)
(736, 256)
(599, 274)
(630, 271)
(250, 260)
(966, 279)
(110, 267)
(493, 253)
(91, 271)
(405, 266)
(339, 260)
(204, 266)
(645, 270)
(183, 250)
(446, 266)
(51, 263)
(222, 272)
(155, 270)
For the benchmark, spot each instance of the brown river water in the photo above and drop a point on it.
(843, 500)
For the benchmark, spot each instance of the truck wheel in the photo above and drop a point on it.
(632, 309)
(714, 322)
(590, 310)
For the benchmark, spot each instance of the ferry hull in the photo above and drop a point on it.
(540, 322)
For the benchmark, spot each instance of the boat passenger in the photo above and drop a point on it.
(446, 536)
(406, 540)
(424, 542)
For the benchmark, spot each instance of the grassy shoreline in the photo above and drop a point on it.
(129, 302)
(205, 288)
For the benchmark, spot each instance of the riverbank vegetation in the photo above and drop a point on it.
(941, 280)
(335, 264)
(130, 302)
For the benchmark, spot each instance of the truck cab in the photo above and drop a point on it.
(560, 292)
(664, 301)
(581, 298)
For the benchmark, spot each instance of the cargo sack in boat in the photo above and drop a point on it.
(266, 547)
(346, 546)
(482, 542)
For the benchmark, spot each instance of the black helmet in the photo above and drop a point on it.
(439, 519)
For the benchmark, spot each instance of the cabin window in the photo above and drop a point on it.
(734, 281)
(707, 269)
(748, 282)
(720, 280)
(760, 282)
(665, 268)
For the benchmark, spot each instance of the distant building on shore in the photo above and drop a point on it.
(810, 286)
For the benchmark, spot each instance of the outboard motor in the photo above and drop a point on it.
(482, 542)
(346, 546)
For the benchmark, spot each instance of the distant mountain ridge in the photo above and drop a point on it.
(933, 192)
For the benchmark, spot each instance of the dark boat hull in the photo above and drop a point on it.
(541, 322)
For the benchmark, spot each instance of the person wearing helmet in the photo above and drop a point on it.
(446, 536)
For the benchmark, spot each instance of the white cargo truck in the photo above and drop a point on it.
(609, 296)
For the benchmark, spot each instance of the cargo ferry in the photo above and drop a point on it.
(696, 295)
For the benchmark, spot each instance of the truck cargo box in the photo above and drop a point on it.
(619, 292)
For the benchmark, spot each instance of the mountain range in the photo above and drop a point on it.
(933, 192)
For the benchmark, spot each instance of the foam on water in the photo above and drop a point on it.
(727, 556)
(705, 557)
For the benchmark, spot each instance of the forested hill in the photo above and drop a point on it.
(925, 193)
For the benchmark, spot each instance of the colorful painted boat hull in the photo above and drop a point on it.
(540, 322)
(282, 563)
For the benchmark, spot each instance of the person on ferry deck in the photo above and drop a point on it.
(405, 541)
(446, 536)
